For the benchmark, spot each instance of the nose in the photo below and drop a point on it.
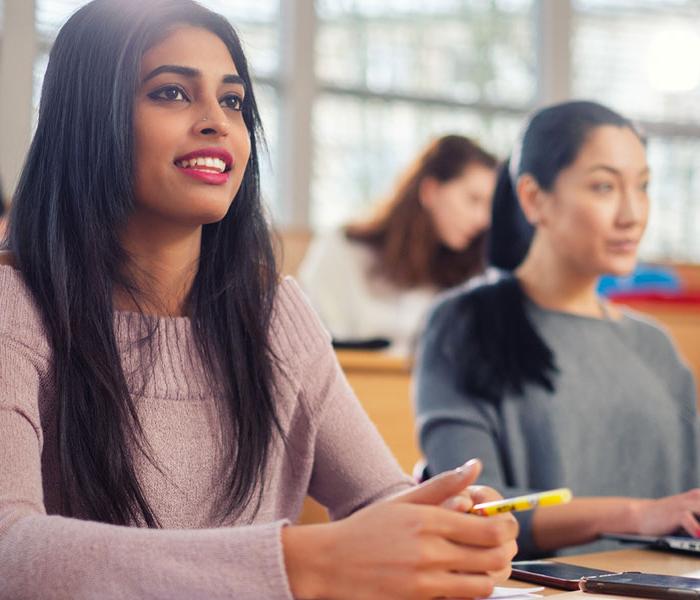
(213, 122)
(632, 207)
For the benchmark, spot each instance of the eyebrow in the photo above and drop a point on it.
(644, 171)
(190, 73)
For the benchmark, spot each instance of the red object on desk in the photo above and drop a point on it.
(674, 298)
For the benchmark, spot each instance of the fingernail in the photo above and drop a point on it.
(467, 466)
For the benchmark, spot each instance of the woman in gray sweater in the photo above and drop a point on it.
(538, 375)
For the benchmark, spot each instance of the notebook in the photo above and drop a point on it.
(675, 543)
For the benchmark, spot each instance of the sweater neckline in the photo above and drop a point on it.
(575, 316)
(127, 316)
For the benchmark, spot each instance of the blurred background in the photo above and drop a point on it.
(350, 90)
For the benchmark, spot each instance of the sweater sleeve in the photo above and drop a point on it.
(56, 557)
(352, 465)
(454, 426)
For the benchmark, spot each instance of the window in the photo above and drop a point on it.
(640, 57)
(675, 210)
(362, 144)
(395, 74)
(2, 24)
(391, 74)
(255, 20)
(466, 51)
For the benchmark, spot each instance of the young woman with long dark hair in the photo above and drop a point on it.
(543, 379)
(166, 403)
(377, 278)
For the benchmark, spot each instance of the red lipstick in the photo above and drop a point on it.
(204, 173)
(211, 152)
(209, 177)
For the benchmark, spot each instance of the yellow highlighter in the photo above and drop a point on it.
(548, 498)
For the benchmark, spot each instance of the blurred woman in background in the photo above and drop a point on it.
(377, 278)
(543, 379)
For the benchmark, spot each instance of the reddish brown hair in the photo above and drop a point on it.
(409, 252)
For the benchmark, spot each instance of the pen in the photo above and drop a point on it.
(548, 498)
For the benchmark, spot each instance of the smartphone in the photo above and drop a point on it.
(643, 585)
(553, 574)
(363, 344)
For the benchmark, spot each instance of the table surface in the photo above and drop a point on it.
(649, 561)
(374, 360)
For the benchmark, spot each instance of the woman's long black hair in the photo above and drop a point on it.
(74, 195)
(504, 351)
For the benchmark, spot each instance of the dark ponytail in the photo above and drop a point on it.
(503, 349)
(511, 233)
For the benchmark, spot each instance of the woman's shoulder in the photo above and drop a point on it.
(650, 338)
(338, 240)
(468, 319)
(335, 249)
(478, 295)
(297, 332)
(481, 335)
(14, 295)
(19, 316)
(333, 269)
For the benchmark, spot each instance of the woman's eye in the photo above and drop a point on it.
(170, 94)
(602, 188)
(233, 102)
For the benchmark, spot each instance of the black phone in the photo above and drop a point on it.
(553, 574)
(643, 585)
(363, 344)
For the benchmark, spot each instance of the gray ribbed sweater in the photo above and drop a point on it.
(334, 453)
(622, 421)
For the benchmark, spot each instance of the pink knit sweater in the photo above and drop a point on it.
(334, 454)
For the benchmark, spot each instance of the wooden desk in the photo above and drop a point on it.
(650, 561)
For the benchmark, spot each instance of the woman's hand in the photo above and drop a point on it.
(666, 515)
(476, 494)
(407, 547)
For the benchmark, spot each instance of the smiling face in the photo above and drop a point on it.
(596, 213)
(191, 142)
(460, 208)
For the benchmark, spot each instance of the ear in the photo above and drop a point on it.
(427, 192)
(531, 197)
